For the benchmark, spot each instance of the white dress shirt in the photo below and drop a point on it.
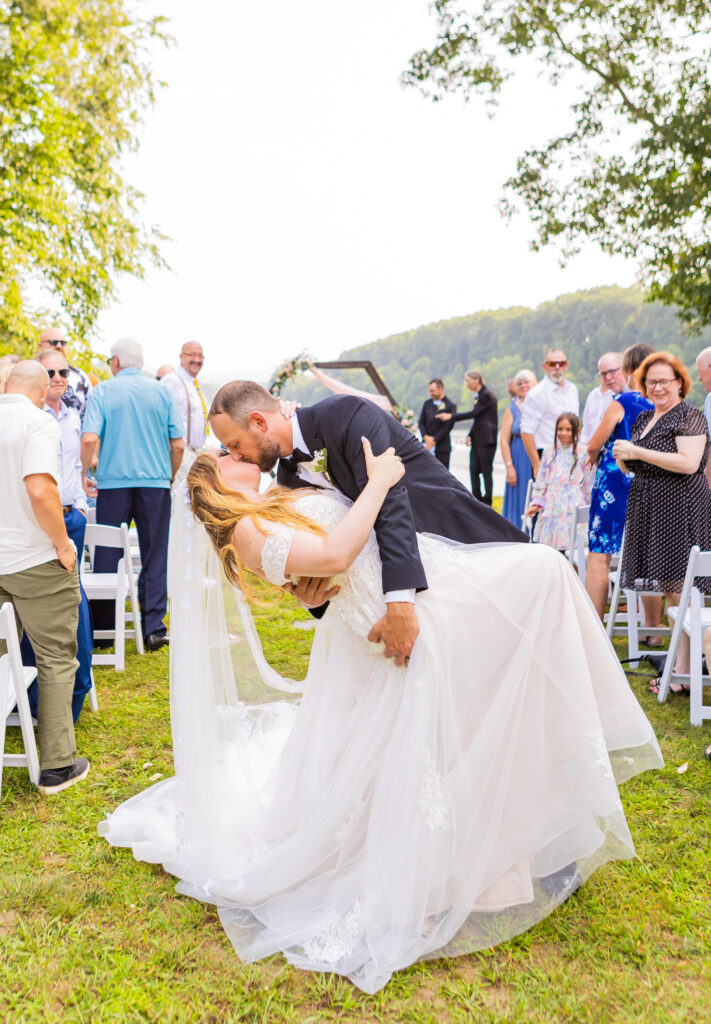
(71, 491)
(596, 405)
(543, 405)
(308, 474)
(185, 391)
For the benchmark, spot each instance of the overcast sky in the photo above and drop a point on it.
(312, 202)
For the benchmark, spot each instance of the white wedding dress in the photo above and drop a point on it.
(391, 814)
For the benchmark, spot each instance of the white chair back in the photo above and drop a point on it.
(527, 521)
(14, 681)
(692, 618)
(578, 543)
(117, 586)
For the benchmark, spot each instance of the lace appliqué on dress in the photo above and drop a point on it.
(600, 757)
(275, 552)
(337, 941)
(433, 799)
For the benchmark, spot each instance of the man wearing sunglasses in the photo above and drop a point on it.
(543, 405)
(79, 387)
(74, 509)
(612, 382)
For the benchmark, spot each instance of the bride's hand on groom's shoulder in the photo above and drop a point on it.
(386, 469)
(312, 591)
(288, 408)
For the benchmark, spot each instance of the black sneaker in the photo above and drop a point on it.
(54, 780)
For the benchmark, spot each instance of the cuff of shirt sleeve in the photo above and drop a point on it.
(400, 595)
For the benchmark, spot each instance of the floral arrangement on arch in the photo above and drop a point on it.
(299, 364)
(289, 369)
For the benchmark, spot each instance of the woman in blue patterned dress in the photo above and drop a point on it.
(516, 461)
(611, 488)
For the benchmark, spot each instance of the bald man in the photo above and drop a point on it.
(703, 371)
(164, 370)
(79, 386)
(38, 565)
(183, 384)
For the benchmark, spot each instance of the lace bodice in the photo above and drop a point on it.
(360, 600)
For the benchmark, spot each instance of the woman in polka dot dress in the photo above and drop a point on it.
(669, 507)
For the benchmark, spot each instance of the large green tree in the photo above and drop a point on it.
(633, 169)
(75, 79)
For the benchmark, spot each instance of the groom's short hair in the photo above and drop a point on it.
(239, 398)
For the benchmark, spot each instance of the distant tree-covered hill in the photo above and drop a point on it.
(500, 342)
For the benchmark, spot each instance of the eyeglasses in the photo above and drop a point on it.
(663, 382)
(609, 373)
(113, 357)
(54, 342)
(62, 373)
(556, 364)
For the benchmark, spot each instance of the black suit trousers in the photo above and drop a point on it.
(481, 464)
(443, 457)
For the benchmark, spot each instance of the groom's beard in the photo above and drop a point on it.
(268, 455)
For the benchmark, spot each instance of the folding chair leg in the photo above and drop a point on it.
(93, 701)
(696, 713)
(633, 604)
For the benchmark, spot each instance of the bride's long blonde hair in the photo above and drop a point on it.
(221, 510)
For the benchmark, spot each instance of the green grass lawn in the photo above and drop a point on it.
(88, 934)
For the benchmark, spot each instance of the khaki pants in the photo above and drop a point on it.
(46, 603)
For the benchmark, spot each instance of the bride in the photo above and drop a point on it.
(387, 814)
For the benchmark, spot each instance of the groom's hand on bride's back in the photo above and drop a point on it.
(398, 630)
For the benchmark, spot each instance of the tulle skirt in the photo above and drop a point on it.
(398, 814)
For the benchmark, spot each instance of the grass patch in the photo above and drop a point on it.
(90, 935)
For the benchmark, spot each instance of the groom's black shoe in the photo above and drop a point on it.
(154, 641)
(562, 883)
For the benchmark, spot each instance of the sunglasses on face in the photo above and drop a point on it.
(62, 373)
(55, 342)
(556, 364)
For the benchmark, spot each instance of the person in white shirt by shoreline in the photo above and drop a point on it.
(612, 382)
(183, 383)
(544, 403)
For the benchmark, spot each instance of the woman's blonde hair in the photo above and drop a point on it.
(221, 510)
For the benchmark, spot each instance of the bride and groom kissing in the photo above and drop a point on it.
(429, 803)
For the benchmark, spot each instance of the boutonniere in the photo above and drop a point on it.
(320, 462)
(439, 404)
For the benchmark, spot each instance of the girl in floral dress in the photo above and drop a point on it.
(564, 480)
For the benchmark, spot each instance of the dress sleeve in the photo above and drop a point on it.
(692, 423)
(275, 552)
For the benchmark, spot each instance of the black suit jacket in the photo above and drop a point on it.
(428, 499)
(438, 429)
(485, 414)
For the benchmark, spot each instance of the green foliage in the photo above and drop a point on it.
(74, 80)
(91, 935)
(501, 342)
(632, 173)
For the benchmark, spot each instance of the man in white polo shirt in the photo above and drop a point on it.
(543, 405)
(38, 565)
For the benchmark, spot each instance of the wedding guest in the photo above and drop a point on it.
(608, 502)
(436, 434)
(183, 384)
(141, 434)
(6, 365)
(38, 565)
(564, 480)
(516, 461)
(544, 403)
(481, 437)
(164, 370)
(79, 385)
(612, 382)
(512, 388)
(669, 505)
(74, 509)
(703, 371)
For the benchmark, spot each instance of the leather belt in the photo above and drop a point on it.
(67, 508)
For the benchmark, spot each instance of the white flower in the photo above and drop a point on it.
(320, 463)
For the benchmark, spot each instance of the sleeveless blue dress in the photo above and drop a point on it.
(515, 497)
(611, 489)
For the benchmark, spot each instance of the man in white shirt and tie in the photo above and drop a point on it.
(183, 383)
(544, 404)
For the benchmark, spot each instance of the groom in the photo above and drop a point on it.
(428, 499)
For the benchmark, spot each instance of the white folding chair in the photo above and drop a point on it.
(630, 622)
(577, 552)
(15, 679)
(115, 586)
(693, 618)
(527, 521)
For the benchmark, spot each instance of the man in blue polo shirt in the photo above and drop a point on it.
(141, 434)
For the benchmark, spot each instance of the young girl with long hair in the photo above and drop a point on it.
(564, 480)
